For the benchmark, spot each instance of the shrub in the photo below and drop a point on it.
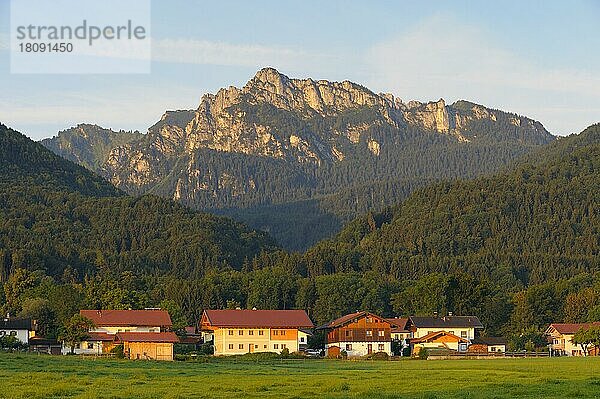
(118, 351)
(423, 353)
(377, 356)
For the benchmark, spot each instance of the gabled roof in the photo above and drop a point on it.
(398, 324)
(445, 322)
(243, 318)
(146, 337)
(100, 336)
(490, 341)
(340, 321)
(570, 328)
(436, 334)
(141, 318)
(15, 324)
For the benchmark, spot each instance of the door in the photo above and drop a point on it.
(251, 348)
(369, 349)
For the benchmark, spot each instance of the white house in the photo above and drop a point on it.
(462, 327)
(22, 329)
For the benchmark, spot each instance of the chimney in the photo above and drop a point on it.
(253, 308)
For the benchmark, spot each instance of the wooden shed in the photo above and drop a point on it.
(147, 346)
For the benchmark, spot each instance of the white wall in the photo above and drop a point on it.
(470, 332)
(118, 329)
(361, 348)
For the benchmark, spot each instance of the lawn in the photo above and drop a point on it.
(39, 376)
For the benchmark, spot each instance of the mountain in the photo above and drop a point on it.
(537, 223)
(298, 157)
(59, 217)
(88, 145)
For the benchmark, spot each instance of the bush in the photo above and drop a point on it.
(118, 351)
(285, 353)
(423, 353)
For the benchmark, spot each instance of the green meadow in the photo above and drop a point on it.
(39, 376)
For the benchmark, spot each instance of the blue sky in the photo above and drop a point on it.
(536, 58)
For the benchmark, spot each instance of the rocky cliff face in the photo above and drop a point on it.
(278, 139)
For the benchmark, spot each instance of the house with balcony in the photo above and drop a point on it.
(560, 337)
(445, 332)
(358, 334)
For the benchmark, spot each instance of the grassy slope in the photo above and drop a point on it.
(32, 376)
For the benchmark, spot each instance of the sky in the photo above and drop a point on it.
(540, 59)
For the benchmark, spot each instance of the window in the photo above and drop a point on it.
(256, 346)
(241, 332)
(380, 348)
(348, 347)
(265, 346)
(230, 346)
(261, 332)
(451, 332)
(463, 334)
(369, 333)
(368, 319)
(77, 346)
(275, 346)
(251, 332)
(396, 337)
(348, 333)
(301, 339)
(241, 346)
(381, 333)
(282, 332)
(275, 332)
(283, 346)
(429, 332)
(13, 333)
(230, 332)
(90, 345)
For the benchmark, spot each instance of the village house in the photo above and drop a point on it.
(111, 328)
(238, 331)
(21, 328)
(358, 334)
(400, 334)
(439, 340)
(560, 337)
(147, 345)
(488, 345)
(445, 332)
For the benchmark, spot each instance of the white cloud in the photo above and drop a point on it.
(444, 58)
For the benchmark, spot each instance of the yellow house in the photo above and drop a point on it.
(438, 340)
(238, 331)
(561, 335)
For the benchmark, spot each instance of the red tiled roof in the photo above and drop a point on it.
(100, 336)
(146, 337)
(398, 324)
(344, 319)
(147, 318)
(435, 334)
(258, 318)
(445, 322)
(571, 328)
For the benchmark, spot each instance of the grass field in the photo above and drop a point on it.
(35, 376)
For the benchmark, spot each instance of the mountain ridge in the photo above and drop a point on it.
(279, 140)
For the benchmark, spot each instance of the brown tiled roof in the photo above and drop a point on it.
(445, 322)
(435, 334)
(572, 328)
(259, 318)
(344, 319)
(100, 336)
(146, 337)
(398, 324)
(146, 318)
